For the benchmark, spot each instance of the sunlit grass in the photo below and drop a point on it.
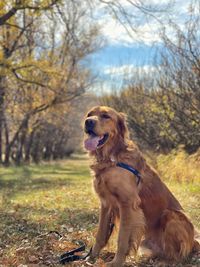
(36, 199)
(181, 172)
(38, 191)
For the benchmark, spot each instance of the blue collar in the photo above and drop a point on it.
(131, 169)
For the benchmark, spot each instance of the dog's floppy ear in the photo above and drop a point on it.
(122, 126)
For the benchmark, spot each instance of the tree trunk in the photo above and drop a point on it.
(35, 151)
(21, 144)
(28, 146)
(2, 94)
(10, 144)
(7, 153)
(48, 152)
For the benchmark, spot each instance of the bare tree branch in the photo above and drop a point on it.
(20, 6)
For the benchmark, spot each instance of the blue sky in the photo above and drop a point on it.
(113, 60)
(119, 54)
(122, 51)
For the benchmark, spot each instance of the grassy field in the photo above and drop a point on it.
(58, 196)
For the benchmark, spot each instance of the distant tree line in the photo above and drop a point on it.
(44, 46)
(163, 105)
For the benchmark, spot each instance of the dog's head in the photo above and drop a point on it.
(104, 126)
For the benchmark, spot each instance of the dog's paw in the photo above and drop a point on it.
(91, 260)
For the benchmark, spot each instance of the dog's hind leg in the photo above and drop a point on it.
(177, 238)
(149, 248)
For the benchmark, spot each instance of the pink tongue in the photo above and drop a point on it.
(92, 142)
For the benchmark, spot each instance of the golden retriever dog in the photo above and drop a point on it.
(147, 211)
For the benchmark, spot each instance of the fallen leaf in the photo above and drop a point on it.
(33, 259)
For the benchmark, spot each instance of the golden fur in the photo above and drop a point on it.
(149, 214)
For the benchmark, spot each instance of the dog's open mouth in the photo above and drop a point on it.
(94, 141)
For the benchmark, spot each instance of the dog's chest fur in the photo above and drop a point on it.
(101, 183)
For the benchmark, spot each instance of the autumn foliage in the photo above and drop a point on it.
(163, 104)
(43, 71)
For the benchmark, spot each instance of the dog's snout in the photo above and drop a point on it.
(89, 124)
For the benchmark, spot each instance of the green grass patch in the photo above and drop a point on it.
(36, 199)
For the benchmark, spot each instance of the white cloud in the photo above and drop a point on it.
(147, 31)
(128, 70)
(116, 78)
(115, 33)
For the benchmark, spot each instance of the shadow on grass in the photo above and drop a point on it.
(27, 180)
(15, 228)
(23, 240)
(17, 231)
(46, 218)
(33, 184)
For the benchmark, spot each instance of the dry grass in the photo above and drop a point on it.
(59, 196)
(181, 172)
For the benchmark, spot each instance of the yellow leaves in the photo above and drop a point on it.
(30, 66)
(37, 82)
(2, 7)
(4, 64)
(32, 7)
(2, 4)
(155, 108)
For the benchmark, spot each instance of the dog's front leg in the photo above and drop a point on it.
(106, 219)
(130, 233)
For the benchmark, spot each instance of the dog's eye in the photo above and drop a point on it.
(105, 116)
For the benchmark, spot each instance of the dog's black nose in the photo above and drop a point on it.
(89, 124)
